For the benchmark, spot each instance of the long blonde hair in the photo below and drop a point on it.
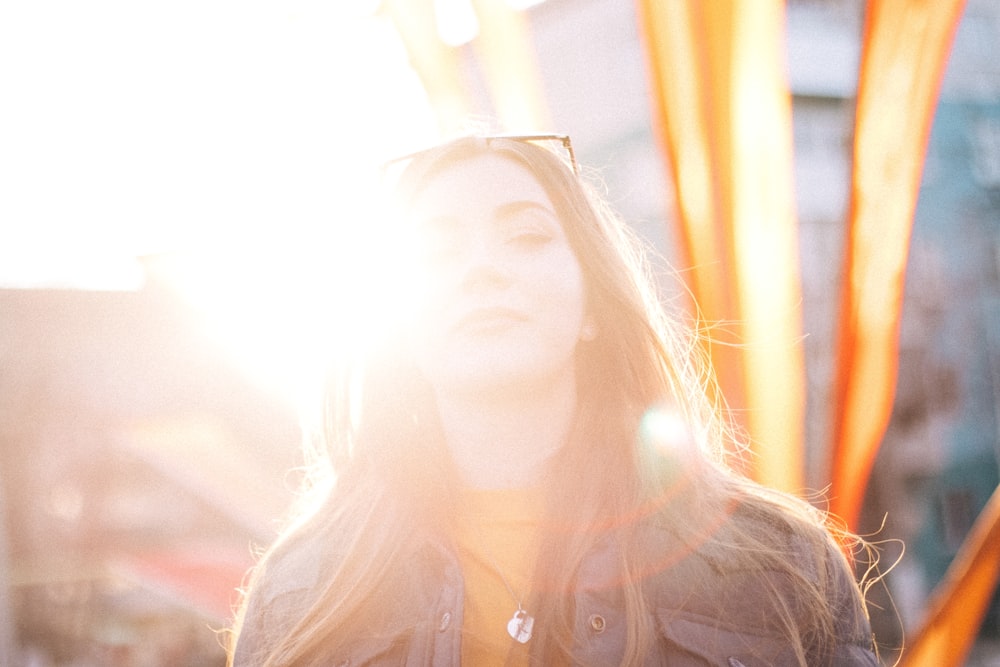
(395, 485)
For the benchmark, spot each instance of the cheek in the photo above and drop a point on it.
(567, 297)
(425, 323)
(429, 303)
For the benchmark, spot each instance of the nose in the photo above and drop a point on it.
(484, 266)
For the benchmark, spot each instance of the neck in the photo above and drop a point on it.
(505, 440)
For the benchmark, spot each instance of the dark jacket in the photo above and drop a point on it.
(705, 611)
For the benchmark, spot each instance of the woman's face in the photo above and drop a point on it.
(504, 302)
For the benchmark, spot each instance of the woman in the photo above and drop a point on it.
(529, 466)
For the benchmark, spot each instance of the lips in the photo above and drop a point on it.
(488, 319)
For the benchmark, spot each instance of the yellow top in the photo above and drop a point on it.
(497, 539)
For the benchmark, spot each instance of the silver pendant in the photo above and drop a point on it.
(519, 626)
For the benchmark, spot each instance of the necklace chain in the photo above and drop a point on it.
(521, 623)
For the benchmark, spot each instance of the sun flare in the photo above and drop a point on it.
(238, 171)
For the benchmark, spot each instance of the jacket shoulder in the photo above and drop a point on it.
(283, 586)
(758, 577)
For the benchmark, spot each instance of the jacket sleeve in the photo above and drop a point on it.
(266, 616)
(728, 619)
(279, 594)
(712, 610)
(854, 642)
(249, 640)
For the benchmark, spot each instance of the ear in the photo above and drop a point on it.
(589, 330)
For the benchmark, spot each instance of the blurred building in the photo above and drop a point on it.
(137, 473)
(940, 459)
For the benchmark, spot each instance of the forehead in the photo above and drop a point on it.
(478, 182)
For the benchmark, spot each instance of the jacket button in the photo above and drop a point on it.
(444, 622)
(597, 623)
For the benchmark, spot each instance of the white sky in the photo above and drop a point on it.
(133, 127)
(228, 134)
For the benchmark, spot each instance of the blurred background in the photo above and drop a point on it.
(181, 197)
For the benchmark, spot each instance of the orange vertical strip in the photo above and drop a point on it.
(504, 45)
(435, 62)
(679, 72)
(764, 233)
(723, 114)
(508, 57)
(906, 45)
(680, 76)
(956, 609)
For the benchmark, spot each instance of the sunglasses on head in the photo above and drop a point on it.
(565, 148)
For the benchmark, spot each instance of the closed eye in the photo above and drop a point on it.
(529, 237)
(527, 224)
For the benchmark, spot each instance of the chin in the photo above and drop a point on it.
(501, 380)
(495, 379)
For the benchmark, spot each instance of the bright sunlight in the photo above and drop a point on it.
(216, 147)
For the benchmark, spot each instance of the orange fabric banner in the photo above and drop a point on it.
(906, 46)
(956, 609)
(722, 113)
(435, 62)
(509, 64)
(504, 46)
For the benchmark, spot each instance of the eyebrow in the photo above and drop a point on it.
(505, 210)
(512, 208)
